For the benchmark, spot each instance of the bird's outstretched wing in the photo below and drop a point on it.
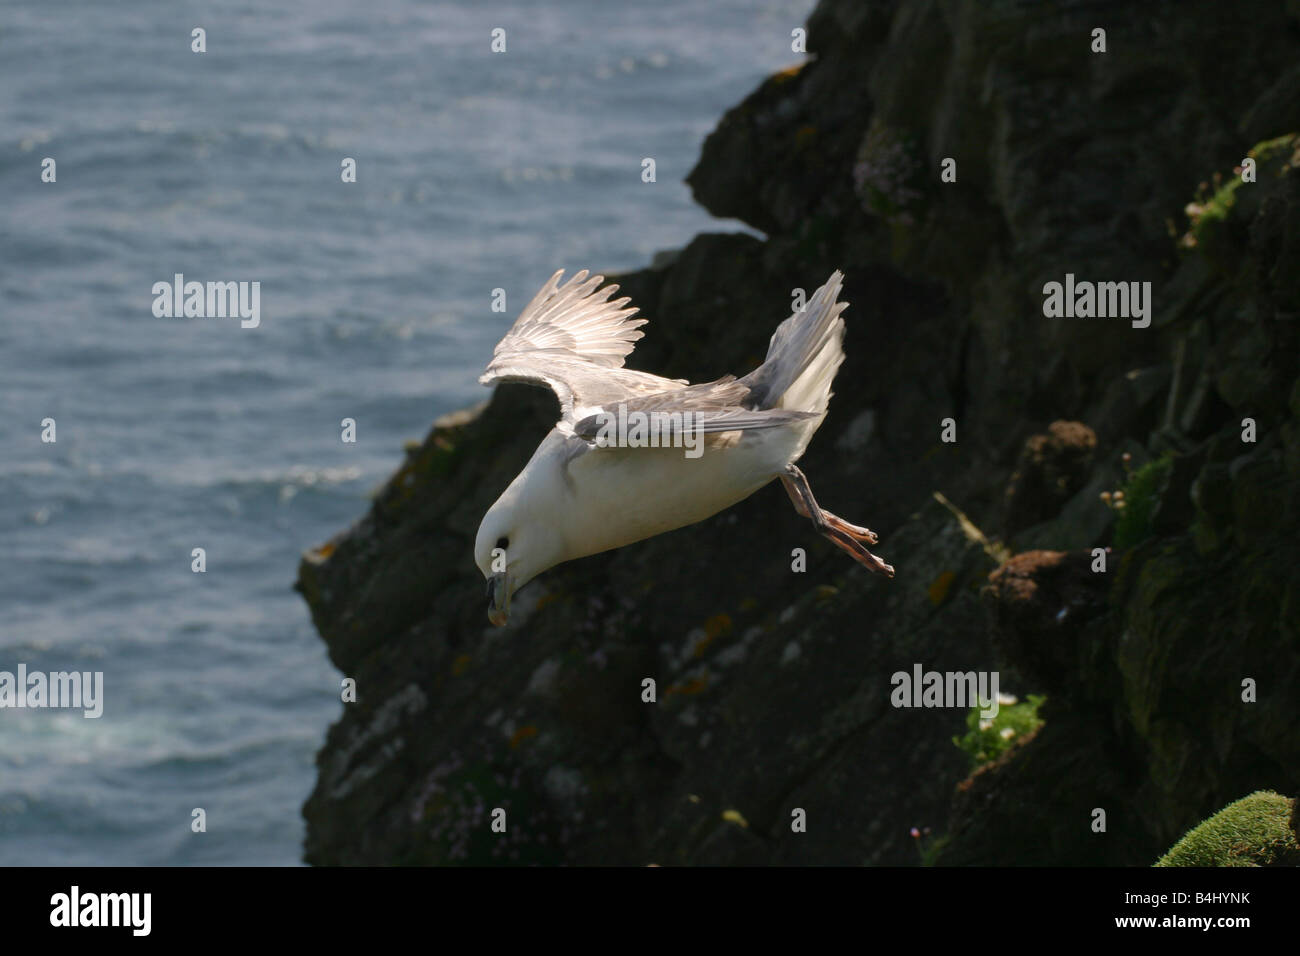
(721, 406)
(573, 339)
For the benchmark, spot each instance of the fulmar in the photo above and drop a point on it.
(589, 488)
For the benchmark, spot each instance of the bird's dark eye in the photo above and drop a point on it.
(503, 543)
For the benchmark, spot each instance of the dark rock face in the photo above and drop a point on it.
(1052, 469)
(773, 687)
(1040, 603)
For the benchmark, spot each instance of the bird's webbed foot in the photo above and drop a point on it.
(848, 537)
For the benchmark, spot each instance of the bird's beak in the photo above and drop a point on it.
(498, 590)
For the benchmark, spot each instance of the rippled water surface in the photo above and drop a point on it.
(475, 171)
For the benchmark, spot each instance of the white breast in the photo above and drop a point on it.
(615, 496)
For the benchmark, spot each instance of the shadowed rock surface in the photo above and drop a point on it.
(1051, 470)
(774, 686)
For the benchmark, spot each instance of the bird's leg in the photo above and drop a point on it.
(846, 536)
(797, 488)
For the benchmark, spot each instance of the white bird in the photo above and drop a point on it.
(581, 494)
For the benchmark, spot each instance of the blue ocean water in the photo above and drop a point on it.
(475, 171)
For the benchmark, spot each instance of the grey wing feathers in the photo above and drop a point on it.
(797, 341)
(572, 338)
(719, 406)
(733, 420)
(574, 320)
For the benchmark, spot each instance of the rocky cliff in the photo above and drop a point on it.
(774, 685)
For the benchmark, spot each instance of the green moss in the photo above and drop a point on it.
(1141, 495)
(1208, 215)
(1013, 722)
(1282, 147)
(1254, 831)
(931, 851)
(432, 459)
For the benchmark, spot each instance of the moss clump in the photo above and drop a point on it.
(1209, 213)
(1254, 831)
(1137, 500)
(930, 852)
(988, 738)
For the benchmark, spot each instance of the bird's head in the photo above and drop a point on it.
(513, 546)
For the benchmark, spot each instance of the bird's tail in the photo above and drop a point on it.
(804, 355)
